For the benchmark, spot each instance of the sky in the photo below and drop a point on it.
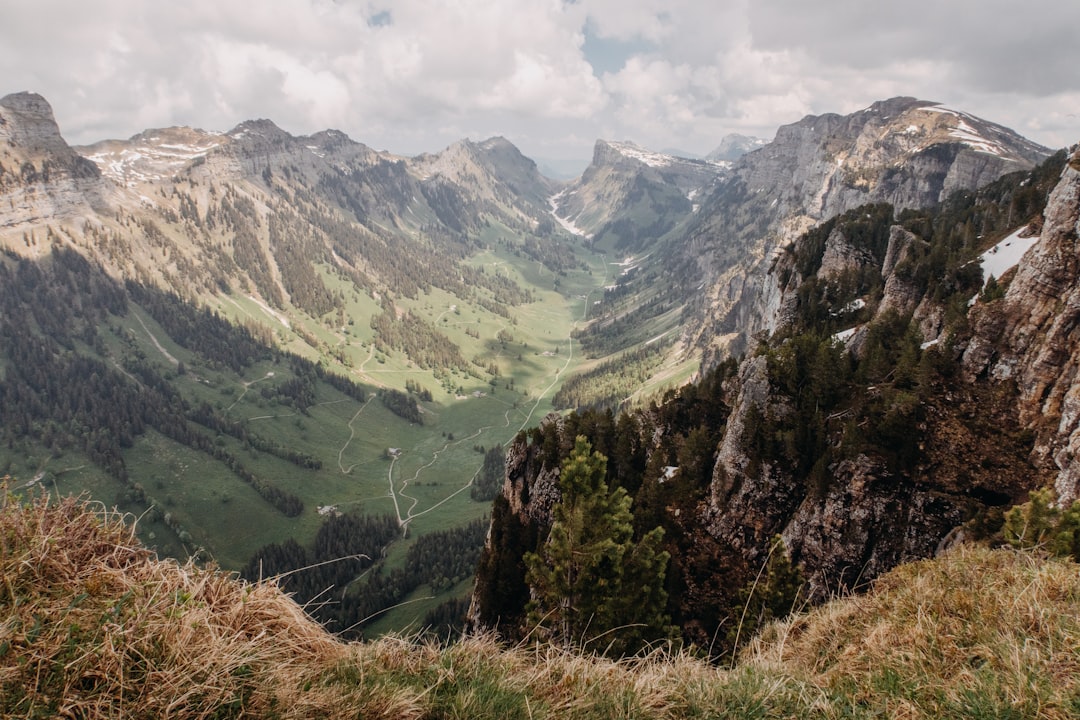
(552, 76)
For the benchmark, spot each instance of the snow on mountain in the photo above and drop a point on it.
(1006, 255)
(151, 156)
(636, 152)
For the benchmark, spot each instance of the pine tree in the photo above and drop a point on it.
(592, 585)
(776, 591)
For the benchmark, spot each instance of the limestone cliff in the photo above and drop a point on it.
(1032, 336)
(906, 152)
(41, 177)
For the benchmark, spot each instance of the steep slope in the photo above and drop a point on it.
(879, 424)
(903, 151)
(629, 197)
(1032, 337)
(41, 178)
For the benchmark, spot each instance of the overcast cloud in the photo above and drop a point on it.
(550, 75)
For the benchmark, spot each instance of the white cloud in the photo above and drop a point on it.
(418, 74)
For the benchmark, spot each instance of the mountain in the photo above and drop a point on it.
(332, 339)
(629, 196)
(733, 146)
(227, 333)
(903, 151)
(901, 404)
(696, 281)
(41, 178)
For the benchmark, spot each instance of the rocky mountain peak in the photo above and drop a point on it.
(625, 178)
(261, 128)
(29, 105)
(610, 152)
(906, 152)
(151, 155)
(41, 176)
(27, 124)
(895, 106)
(733, 146)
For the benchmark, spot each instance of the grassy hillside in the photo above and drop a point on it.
(93, 626)
(268, 407)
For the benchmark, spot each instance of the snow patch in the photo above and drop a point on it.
(566, 223)
(149, 160)
(1004, 256)
(844, 335)
(648, 157)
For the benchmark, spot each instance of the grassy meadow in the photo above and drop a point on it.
(424, 483)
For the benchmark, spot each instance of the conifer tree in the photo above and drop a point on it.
(776, 591)
(592, 585)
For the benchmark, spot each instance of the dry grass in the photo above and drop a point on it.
(93, 626)
(977, 633)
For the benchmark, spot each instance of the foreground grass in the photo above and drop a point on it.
(93, 625)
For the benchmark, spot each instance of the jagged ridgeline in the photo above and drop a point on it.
(849, 441)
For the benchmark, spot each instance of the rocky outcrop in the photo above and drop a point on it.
(532, 485)
(841, 255)
(900, 295)
(41, 178)
(1032, 337)
(906, 152)
(866, 518)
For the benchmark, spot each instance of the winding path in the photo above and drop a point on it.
(352, 434)
(161, 348)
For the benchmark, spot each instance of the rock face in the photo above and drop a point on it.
(868, 518)
(865, 521)
(531, 485)
(649, 192)
(903, 151)
(1033, 336)
(41, 177)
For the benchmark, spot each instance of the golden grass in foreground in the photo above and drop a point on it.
(93, 626)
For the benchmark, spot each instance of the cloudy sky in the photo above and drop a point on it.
(550, 75)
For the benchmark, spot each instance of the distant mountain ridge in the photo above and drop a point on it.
(45, 181)
(734, 146)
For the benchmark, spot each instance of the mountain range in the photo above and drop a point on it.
(348, 274)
